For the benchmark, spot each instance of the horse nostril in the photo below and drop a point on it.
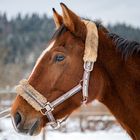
(17, 119)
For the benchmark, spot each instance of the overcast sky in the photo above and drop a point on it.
(109, 11)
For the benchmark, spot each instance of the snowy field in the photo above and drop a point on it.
(8, 133)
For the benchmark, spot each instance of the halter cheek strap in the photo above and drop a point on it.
(40, 103)
(90, 54)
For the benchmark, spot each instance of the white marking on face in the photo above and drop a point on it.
(42, 55)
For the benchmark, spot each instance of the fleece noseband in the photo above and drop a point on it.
(40, 103)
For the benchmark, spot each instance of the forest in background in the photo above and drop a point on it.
(22, 39)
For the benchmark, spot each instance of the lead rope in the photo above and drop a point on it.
(5, 113)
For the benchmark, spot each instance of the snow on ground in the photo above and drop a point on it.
(8, 133)
(99, 135)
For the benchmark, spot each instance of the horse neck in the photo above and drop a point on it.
(112, 91)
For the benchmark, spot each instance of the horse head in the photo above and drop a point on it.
(57, 70)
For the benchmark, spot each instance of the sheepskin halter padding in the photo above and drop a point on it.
(91, 43)
(38, 101)
(35, 99)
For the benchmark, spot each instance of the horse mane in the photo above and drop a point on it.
(125, 46)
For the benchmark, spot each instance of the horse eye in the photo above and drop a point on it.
(59, 58)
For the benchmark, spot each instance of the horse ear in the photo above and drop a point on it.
(73, 22)
(57, 18)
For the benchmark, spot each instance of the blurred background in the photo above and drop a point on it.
(25, 28)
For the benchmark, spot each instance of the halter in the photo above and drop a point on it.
(40, 103)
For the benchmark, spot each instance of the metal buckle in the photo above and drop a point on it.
(88, 66)
(47, 108)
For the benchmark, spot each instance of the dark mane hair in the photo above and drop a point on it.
(126, 47)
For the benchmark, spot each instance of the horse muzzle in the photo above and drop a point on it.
(27, 127)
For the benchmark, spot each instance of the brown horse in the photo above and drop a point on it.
(114, 81)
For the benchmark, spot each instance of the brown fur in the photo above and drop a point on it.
(114, 81)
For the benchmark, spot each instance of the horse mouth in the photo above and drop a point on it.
(33, 130)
